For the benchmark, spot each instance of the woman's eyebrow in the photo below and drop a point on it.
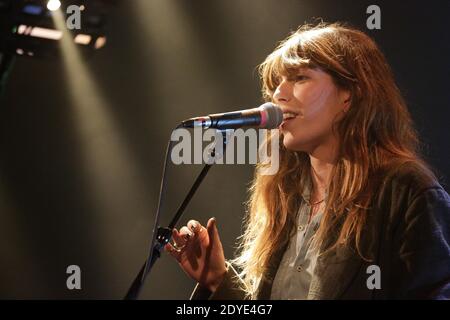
(308, 69)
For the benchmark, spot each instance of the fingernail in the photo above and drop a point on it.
(194, 226)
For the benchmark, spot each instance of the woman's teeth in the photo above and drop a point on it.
(289, 115)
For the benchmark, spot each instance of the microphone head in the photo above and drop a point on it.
(273, 114)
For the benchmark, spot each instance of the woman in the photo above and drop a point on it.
(353, 212)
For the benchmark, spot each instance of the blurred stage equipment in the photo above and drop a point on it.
(27, 27)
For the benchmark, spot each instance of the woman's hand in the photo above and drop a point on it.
(199, 252)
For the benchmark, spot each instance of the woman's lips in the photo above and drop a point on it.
(288, 116)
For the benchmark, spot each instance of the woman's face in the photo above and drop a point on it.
(311, 103)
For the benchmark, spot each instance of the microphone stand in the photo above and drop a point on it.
(164, 235)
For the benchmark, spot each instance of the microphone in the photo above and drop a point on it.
(266, 116)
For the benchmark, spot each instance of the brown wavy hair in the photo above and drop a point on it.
(375, 134)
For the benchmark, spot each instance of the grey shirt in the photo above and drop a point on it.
(296, 268)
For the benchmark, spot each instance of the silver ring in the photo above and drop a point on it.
(177, 248)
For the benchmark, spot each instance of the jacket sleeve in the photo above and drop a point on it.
(231, 288)
(424, 247)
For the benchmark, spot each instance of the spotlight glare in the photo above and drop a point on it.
(100, 42)
(83, 39)
(46, 33)
(53, 5)
(22, 28)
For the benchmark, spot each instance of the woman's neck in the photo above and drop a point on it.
(321, 168)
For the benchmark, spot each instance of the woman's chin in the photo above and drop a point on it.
(294, 144)
(291, 144)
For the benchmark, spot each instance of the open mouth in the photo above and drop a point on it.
(289, 116)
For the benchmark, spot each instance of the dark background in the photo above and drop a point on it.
(80, 172)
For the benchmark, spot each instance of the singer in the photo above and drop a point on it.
(353, 212)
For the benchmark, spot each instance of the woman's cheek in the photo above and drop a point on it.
(299, 137)
(317, 108)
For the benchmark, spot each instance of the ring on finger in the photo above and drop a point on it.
(178, 248)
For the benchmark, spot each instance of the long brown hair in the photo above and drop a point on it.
(376, 133)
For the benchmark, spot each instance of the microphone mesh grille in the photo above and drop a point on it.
(274, 115)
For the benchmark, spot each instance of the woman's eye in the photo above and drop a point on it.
(300, 78)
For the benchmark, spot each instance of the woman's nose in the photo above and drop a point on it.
(283, 92)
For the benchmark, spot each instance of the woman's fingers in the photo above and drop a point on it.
(212, 229)
(195, 226)
(179, 238)
(183, 239)
(186, 234)
(172, 251)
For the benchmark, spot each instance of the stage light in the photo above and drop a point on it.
(39, 32)
(46, 33)
(22, 29)
(28, 25)
(83, 39)
(33, 9)
(53, 5)
(100, 42)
